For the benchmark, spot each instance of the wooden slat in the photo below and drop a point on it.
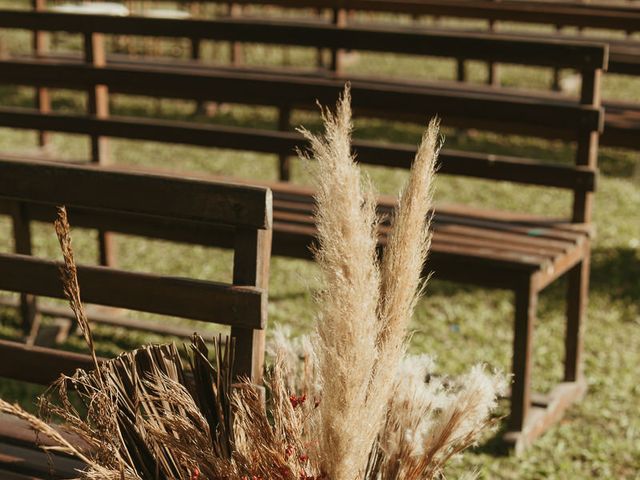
(37, 364)
(556, 246)
(485, 245)
(558, 119)
(541, 418)
(497, 220)
(504, 10)
(301, 214)
(442, 242)
(114, 319)
(181, 297)
(454, 162)
(14, 431)
(150, 227)
(7, 475)
(34, 462)
(251, 267)
(148, 194)
(504, 48)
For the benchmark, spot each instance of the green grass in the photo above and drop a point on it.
(461, 325)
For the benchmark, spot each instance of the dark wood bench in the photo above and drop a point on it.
(511, 251)
(585, 58)
(150, 205)
(622, 126)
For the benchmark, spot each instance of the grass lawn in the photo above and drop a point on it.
(460, 325)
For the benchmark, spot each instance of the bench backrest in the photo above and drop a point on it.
(620, 18)
(551, 117)
(155, 206)
(623, 18)
(610, 17)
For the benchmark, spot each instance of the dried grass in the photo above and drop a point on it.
(345, 404)
(366, 304)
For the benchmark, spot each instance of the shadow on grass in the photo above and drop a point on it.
(495, 445)
(615, 272)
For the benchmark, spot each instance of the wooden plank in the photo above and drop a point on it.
(115, 320)
(577, 298)
(471, 239)
(181, 297)
(98, 106)
(587, 148)
(541, 418)
(557, 246)
(237, 52)
(562, 265)
(539, 231)
(558, 119)
(505, 10)
(251, 267)
(14, 431)
(40, 46)
(284, 160)
(22, 245)
(32, 461)
(452, 265)
(452, 238)
(98, 101)
(453, 120)
(300, 214)
(7, 475)
(532, 225)
(37, 364)
(339, 21)
(145, 226)
(136, 193)
(525, 315)
(486, 257)
(414, 41)
(454, 162)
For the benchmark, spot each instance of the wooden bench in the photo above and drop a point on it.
(623, 119)
(150, 205)
(511, 251)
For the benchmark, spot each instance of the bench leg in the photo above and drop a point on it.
(532, 415)
(195, 53)
(337, 54)
(28, 307)
(577, 296)
(555, 81)
(284, 158)
(493, 75)
(526, 299)
(461, 74)
(320, 51)
(250, 348)
(236, 53)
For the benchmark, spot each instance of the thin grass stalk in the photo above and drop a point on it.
(69, 276)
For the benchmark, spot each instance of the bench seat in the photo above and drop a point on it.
(470, 244)
(475, 245)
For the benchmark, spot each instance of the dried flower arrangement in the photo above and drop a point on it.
(355, 407)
